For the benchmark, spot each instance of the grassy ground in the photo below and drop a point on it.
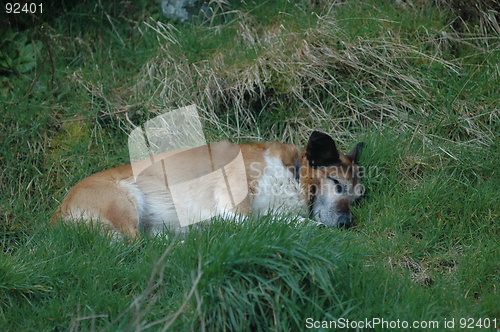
(418, 82)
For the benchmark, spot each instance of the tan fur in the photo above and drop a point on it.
(98, 198)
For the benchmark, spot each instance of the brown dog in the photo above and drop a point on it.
(186, 186)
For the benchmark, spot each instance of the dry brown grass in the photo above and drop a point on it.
(319, 77)
(298, 69)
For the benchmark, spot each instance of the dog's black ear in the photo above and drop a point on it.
(355, 153)
(321, 150)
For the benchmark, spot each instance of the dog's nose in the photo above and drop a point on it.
(344, 220)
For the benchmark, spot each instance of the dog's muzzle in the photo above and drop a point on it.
(338, 220)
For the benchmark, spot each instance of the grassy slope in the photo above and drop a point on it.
(423, 98)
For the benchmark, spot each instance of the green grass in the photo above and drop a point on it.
(421, 94)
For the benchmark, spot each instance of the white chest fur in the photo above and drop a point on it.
(278, 191)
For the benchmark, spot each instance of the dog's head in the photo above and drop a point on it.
(330, 180)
